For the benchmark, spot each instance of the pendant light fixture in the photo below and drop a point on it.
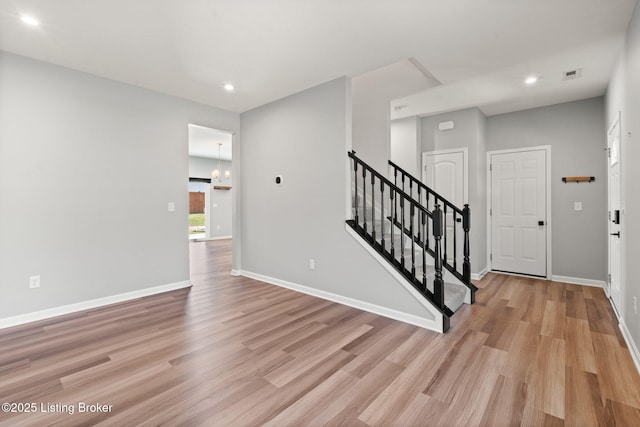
(216, 174)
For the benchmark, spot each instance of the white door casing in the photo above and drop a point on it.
(446, 172)
(613, 286)
(519, 211)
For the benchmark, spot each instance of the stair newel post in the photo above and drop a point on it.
(393, 225)
(373, 208)
(355, 180)
(438, 283)
(402, 230)
(424, 251)
(466, 226)
(364, 199)
(382, 214)
(413, 246)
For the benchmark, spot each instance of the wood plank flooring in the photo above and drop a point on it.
(236, 352)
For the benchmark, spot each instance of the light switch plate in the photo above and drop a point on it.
(577, 206)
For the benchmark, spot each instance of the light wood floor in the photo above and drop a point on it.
(233, 351)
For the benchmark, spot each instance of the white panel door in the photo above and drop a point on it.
(518, 212)
(615, 215)
(445, 172)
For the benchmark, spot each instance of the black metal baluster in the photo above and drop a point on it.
(426, 231)
(413, 246)
(382, 214)
(410, 187)
(438, 283)
(402, 231)
(364, 199)
(355, 176)
(445, 232)
(424, 251)
(420, 203)
(395, 182)
(393, 225)
(373, 208)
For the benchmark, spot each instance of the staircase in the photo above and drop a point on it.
(417, 231)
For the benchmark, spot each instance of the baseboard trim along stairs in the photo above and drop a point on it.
(340, 299)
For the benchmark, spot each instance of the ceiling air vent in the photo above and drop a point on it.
(572, 74)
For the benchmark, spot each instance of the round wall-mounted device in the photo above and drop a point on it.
(278, 179)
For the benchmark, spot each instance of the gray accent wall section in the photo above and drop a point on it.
(468, 131)
(305, 138)
(623, 95)
(220, 201)
(87, 169)
(576, 133)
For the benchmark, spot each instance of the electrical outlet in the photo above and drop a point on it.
(312, 264)
(577, 206)
(34, 282)
(171, 207)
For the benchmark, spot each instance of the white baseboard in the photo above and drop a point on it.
(578, 281)
(398, 277)
(479, 276)
(206, 239)
(361, 305)
(633, 349)
(236, 272)
(8, 322)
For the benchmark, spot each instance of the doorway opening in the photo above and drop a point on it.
(210, 183)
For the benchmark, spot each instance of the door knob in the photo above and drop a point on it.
(616, 234)
(540, 222)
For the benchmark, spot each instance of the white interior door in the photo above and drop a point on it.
(446, 173)
(518, 212)
(615, 216)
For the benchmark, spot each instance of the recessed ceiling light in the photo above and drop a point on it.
(30, 20)
(229, 87)
(531, 80)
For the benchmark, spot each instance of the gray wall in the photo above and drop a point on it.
(305, 138)
(372, 93)
(624, 95)
(576, 133)
(371, 124)
(87, 167)
(468, 132)
(405, 144)
(220, 201)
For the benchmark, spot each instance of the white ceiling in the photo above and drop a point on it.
(203, 142)
(272, 48)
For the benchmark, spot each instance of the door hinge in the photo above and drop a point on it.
(609, 152)
(490, 166)
(490, 212)
(490, 257)
(609, 215)
(609, 278)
